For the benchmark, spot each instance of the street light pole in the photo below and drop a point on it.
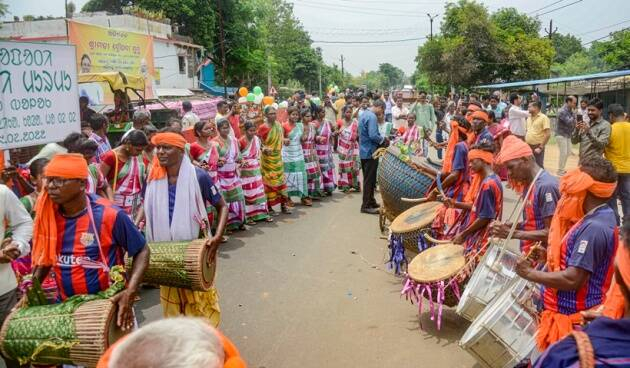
(431, 17)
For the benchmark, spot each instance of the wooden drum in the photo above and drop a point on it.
(73, 332)
(180, 264)
(408, 225)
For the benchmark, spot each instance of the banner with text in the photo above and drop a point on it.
(39, 100)
(101, 49)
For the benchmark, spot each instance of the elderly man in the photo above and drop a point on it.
(369, 140)
(517, 117)
(399, 113)
(175, 210)
(19, 222)
(141, 118)
(604, 340)
(174, 343)
(582, 243)
(593, 136)
(82, 237)
(540, 187)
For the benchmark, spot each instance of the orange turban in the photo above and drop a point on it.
(453, 139)
(472, 108)
(513, 148)
(66, 166)
(615, 305)
(486, 156)
(168, 138)
(480, 115)
(475, 179)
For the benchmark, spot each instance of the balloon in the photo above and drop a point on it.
(283, 105)
(275, 105)
(258, 99)
(242, 100)
(257, 90)
(243, 91)
(267, 100)
(251, 97)
(316, 101)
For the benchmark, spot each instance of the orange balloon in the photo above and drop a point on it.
(243, 91)
(267, 100)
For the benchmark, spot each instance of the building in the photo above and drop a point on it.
(176, 58)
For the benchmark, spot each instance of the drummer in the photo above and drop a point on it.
(485, 202)
(82, 236)
(175, 210)
(608, 337)
(540, 205)
(582, 242)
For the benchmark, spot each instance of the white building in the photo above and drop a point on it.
(175, 56)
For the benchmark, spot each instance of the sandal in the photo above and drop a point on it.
(250, 223)
(307, 202)
(268, 219)
(286, 210)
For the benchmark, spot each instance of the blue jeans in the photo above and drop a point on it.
(439, 139)
(623, 194)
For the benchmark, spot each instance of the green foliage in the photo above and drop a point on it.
(616, 51)
(582, 62)
(393, 77)
(112, 6)
(565, 46)
(476, 47)
(4, 8)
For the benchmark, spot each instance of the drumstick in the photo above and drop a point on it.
(435, 241)
(414, 200)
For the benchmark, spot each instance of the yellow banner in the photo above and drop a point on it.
(101, 49)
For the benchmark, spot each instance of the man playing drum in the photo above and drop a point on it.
(175, 210)
(583, 239)
(483, 202)
(540, 204)
(82, 237)
(607, 339)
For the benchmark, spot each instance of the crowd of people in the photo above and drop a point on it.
(86, 202)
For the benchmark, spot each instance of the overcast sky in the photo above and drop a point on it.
(385, 20)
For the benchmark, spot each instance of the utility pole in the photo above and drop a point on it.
(222, 45)
(319, 62)
(268, 71)
(550, 31)
(431, 17)
(342, 60)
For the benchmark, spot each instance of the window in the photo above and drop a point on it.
(182, 64)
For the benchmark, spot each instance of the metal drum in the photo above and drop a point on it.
(397, 179)
(492, 274)
(504, 333)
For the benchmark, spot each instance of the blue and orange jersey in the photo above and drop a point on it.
(77, 245)
(484, 137)
(590, 245)
(540, 204)
(460, 163)
(488, 205)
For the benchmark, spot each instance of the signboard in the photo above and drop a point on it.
(101, 49)
(39, 100)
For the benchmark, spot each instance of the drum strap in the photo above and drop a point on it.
(584, 348)
(88, 263)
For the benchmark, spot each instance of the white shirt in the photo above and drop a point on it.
(189, 120)
(518, 120)
(396, 112)
(48, 152)
(21, 226)
(584, 114)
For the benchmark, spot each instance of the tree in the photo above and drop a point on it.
(565, 46)
(4, 9)
(70, 9)
(510, 21)
(582, 62)
(393, 76)
(616, 51)
(111, 6)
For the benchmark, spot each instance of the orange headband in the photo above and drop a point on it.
(169, 138)
(67, 166)
(513, 148)
(473, 108)
(480, 115)
(486, 156)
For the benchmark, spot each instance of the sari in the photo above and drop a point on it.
(271, 163)
(127, 181)
(253, 187)
(209, 156)
(293, 159)
(313, 172)
(348, 150)
(229, 181)
(324, 150)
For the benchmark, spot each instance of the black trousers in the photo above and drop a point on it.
(369, 167)
(539, 157)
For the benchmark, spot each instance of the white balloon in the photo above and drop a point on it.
(258, 99)
(274, 105)
(284, 105)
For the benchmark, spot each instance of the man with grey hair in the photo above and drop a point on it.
(141, 118)
(190, 118)
(180, 342)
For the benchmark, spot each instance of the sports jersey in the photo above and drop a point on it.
(590, 245)
(540, 204)
(77, 245)
(209, 191)
(488, 205)
(484, 137)
(460, 163)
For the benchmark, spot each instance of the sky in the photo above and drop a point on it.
(358, 21)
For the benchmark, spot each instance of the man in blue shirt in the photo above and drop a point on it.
(369, 141)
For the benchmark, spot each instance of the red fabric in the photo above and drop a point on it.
(263, 131)
(287, 128)
(109, 158)
(196, 150)
(189, 135)
(235, 121)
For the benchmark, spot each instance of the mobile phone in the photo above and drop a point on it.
(579, 118)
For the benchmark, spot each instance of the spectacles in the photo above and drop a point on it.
(57, 182)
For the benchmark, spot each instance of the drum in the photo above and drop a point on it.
(180, 264)
(492, 274)
(408, 225)
(397, 179)
(504, 333)
(437, 274)
(66, 333)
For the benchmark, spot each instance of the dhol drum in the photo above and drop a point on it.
(72, 332)
(180, 264)
(493, 273)
(504, 333)
(437, 273)
(397, 179)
